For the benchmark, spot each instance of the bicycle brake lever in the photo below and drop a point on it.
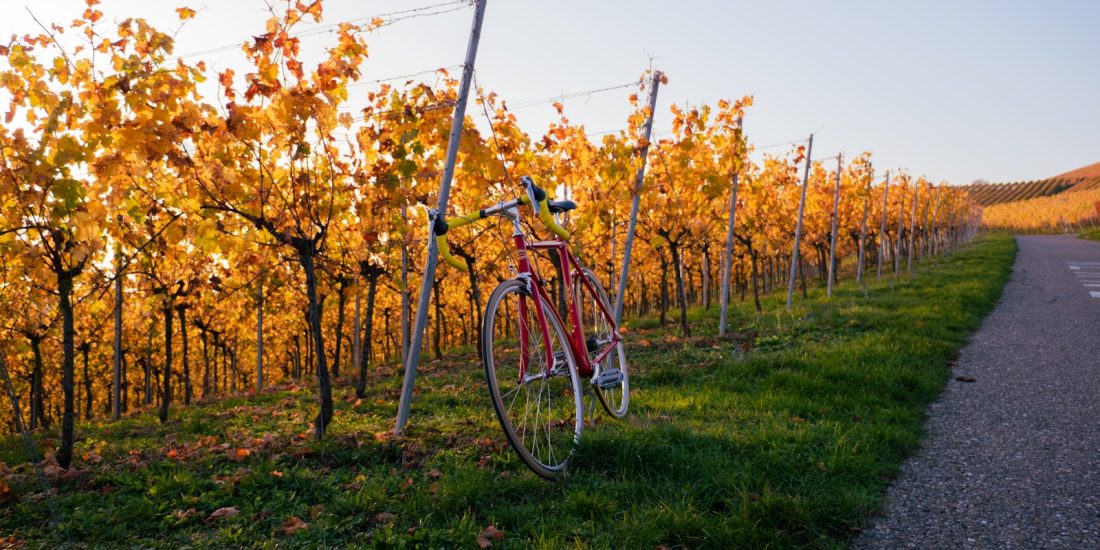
(529, 185)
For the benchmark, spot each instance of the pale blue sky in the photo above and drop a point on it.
(1001, 90)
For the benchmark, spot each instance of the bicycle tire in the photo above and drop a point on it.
(540, 410)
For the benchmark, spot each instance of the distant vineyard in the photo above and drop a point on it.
(987, 194)
(1068, 211)
(1061, 203)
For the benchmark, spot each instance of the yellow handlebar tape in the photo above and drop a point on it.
(548, 220)
(466, 219)
(445, 253)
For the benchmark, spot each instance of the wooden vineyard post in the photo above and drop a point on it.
(260, 335)
(116, 361)
(863, 230)
(431, 259)
(728, 261)
(901, 226)
(832, 235)
(727, 265)
(356, 337)
(647, 130)
(882, 227)
(912, 226)
(798, 226)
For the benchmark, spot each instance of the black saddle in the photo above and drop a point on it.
(560, 206)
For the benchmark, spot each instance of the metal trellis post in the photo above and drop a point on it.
(431, 259)
(647, 129)
(798, 226)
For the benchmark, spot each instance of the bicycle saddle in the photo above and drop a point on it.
(560, 206)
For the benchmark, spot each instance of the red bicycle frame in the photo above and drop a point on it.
(570, 268)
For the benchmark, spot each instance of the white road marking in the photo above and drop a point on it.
(1088, 274)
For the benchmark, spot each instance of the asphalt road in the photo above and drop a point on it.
(1012, 459)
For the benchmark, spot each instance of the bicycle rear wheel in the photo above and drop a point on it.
(612, 384)
(537, 400)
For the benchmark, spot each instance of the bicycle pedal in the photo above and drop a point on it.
(561, 366)
(608, 379)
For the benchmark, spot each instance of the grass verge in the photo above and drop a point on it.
(783, 434)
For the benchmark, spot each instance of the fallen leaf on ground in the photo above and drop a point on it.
(486, 538)
(226, 512)
(237, 455)
(384, 517)
(71, 473)
(184, 514)
(52, 471)
(39, 496)
(293, 525)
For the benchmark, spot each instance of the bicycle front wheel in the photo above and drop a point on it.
(532, 378)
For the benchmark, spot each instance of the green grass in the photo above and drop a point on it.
(1091, 234)
(783, 435)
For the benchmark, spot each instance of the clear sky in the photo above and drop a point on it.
(1000, 90)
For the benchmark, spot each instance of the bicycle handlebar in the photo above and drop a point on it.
(536, 197)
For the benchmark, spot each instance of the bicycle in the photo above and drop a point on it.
(533, 366)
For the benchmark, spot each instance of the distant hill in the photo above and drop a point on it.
(1080, 179)
(1085, 172)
